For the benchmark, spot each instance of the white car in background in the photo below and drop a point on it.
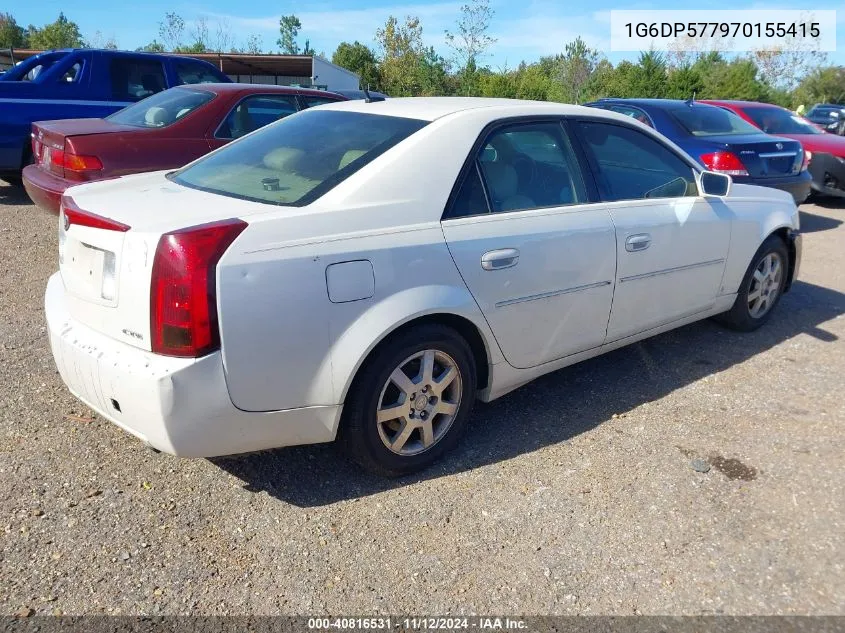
(364, 271)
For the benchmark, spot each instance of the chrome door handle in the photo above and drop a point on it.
(503, 258)
(638, 242)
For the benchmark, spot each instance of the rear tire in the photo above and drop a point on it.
(761, 288)
(410, 401)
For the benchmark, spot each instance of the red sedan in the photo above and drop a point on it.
(164, 131)
(825, 152)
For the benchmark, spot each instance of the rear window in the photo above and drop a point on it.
(777, 121)
(712, 121)
(162, 109)
(34, 67)
(296, 160)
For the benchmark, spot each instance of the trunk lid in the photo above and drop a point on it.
(49, 137)
(106, 271)
(764, 156)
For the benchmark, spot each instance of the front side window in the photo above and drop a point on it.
(631, 165)
(525, 166)
(299, 158)
(162, 109)
(133, 79)
(707, 120)
(255, 112)
(195, 73)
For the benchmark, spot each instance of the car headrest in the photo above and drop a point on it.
(350, 156)
(156, 117)
(501, 178)
(282, 158)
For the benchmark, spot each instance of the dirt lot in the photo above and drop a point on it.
(575, 494)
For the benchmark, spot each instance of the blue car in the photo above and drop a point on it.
(723, 142)
(82, 83)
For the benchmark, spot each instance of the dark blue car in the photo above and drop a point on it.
(721, 141)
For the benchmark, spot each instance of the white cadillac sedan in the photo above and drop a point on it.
(365, 271)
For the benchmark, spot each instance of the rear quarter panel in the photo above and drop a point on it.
(758, 212)
(286, 344)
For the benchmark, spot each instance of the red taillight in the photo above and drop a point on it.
(73, 215)
(724, 163)
(73, 166)
(183, 295)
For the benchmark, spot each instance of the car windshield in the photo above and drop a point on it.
(777, 121)
(162, 109)
(702, 120)
(296, 160)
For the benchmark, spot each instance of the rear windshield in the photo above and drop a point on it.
(162, 109)
(712, 121)
(296, 160)
(777, 121)
(825, 111)
(34, 67)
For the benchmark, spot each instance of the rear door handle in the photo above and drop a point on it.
(503, 258)
(638, 242)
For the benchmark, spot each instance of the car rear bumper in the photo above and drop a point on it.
(176, 405)
(45, 189)
(828, 173)
(797, 186)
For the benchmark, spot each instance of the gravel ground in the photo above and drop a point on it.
(582, 493)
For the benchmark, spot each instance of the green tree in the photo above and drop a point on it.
(361, 60)
(501, 84)
(471, 41)
(736, 79)
(823, 85)
(532, 83)
(570, 72)
(289, 26)
(402, 52)
(11, 35)
(433, 73)
(153, 47)
(171, 30)
(684, 82)
(648, 79)
(60, 34)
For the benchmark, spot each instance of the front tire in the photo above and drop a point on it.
(410, 401)
(761, 288)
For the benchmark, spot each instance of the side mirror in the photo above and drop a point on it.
(711, 183)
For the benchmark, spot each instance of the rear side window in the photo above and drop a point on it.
(195, 73)
(162, 109)
(297, 160)
(72, 74)
(702, 120)
(255, 112)
(133, 79)
(630, 165)
(310, 102)
(634, 113)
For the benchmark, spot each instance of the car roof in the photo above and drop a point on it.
(432, 108)
(666, 104)
(226, 88)
(742, 104)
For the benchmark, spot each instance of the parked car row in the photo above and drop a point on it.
(75, 83)
(365, 270)
(164, 131)
(754, 143)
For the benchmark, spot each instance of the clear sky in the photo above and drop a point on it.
(524, 29)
